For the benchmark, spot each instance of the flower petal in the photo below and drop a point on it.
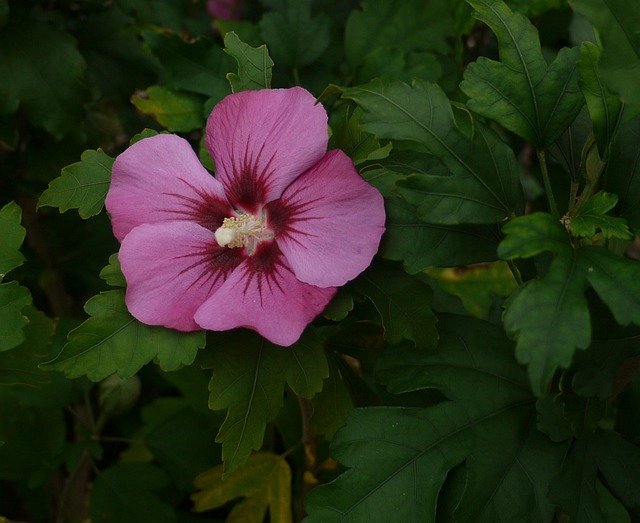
(263, 294)
(262, 140)
(160, 179)
(171, 269)
(328, 222)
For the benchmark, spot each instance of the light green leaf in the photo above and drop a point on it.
(617, 25)
(82, 185)
(264, 481)
(420, 245)
(592, 216)
(13, 298)
(177, 111)
(523, 94)
(46, 81)
(112, 274)
(254, 64)
(484, 186)
(359, 145)
(403, 302)
(476, 285)
(12, 237)
(111, 340)
(532, 234)
(249, 375)
(604, 107)
(391, 450)
(128, 493)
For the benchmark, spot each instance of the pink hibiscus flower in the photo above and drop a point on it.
(225, 9)
(261, 245)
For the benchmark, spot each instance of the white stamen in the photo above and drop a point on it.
(243, 230)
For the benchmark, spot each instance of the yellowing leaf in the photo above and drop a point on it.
(264, 481)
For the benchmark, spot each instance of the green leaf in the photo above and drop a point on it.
(340, 306)
(549, 316)
(604, 107)
(177, 111)
(47, 81)
(111, 340)
(484, 186)
(332, 404)
(249, 375)
(378, 24)
(622, 172)
(359, 145)
(12, 237)
(127, 493)
(391, 450)
(617, 25)
(198, 67)
(19, 366)
(295, 38)
(254, 64)
(420, 245)
(82, 185)
(403, 302)
(112, 274)
(13, 298)
(523, 94)
(476, 285)
(592, 216)
(264, 481)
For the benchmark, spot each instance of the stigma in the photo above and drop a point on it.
(243, 230)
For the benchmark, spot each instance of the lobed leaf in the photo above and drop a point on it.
(249, 376)
(254, 64)
(13, 299)
(177, 111)
(484, 186)
(592, 216)
(82, 185)
(113, 341)
(264, 482)
(520, 92)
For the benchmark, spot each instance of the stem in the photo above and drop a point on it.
(308, 440)
(542, 159)
(296, 76)
(515, 271)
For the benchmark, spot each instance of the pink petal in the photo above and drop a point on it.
(262, 140)
(328, 222)
(263, 294)
(160, 179)
(171, 268)
(225, 9)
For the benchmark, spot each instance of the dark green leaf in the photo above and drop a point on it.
(249, 375)
(617, 25)
(359, 145)
(340, 306)
(126, 492)
(111, 340)
(485, 186)
(529, 235)
(393, 450)
(82, 185)
(13, 298)
(403, 302)
(420, 245)
(295, 38)
(177, 111)
(47, 81)
(197, 67)
(521, 93)
(604, 107)
(254, 64)
(592, 216)
(12, 237)
(622, 173)
(332, 404)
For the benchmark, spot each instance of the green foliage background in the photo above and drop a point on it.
(484, 368)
